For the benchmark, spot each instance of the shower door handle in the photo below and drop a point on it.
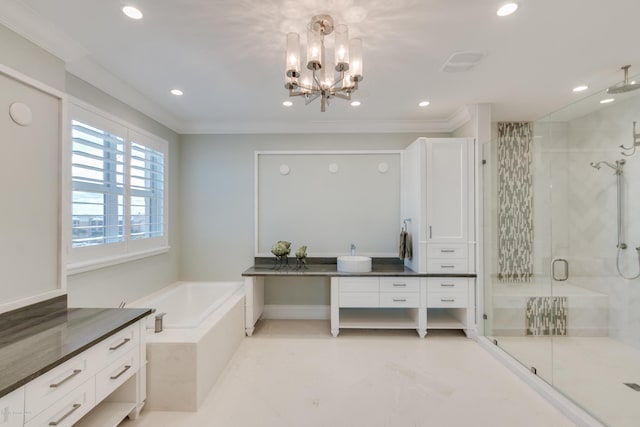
(566, 269)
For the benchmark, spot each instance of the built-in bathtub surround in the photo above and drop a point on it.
(515, 201)
(203, 326)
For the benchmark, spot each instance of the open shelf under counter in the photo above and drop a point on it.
(107, 414)
(379, 318)
(446, 318)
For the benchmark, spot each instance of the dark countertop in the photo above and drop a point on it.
(392, 267)
(35, 341)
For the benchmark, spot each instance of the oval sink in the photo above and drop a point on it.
(354, 264)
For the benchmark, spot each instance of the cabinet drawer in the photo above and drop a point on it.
(69, 408)
(113, 376)
(359, 284)
(399, 284)
(445, 266)
(359, 299)
(116, 345)
(400, 299)
(447, 251)
(446, 285)
(55, 384)
(12, 409)
(453, 299)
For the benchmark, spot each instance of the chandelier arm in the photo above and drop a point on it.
(310, 98)
(315, 79)
(343, 96)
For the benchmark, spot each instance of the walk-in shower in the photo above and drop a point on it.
(618, 168)
(549, 194)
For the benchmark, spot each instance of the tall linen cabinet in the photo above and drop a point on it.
(438, 211)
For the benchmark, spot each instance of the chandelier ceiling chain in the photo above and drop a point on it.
(324, 76)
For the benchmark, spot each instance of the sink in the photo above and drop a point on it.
(354, 264)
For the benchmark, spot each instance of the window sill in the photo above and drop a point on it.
(83, 267)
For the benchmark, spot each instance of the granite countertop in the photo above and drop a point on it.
(392, 267)
(35, 341)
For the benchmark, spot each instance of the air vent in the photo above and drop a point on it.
(462, 61)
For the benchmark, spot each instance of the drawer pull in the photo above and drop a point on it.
(399, 300)
(447, 285)
(447, 251)
(73, 409)
(126, 368)
(73, 374)
(447, 299)
(399, 285)
(126, 340)
(447, 266)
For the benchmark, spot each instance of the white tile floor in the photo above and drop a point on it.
(293, 373)
(589, 370)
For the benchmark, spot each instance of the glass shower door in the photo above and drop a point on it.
(594, 199)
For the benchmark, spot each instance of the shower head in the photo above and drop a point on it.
(617, 167)
(625, 85)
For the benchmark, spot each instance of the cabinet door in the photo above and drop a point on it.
(447, 205)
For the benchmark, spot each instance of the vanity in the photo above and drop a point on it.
(391, 296)
(63, 367)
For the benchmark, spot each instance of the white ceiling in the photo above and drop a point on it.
(228, 58)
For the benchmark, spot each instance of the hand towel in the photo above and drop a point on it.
(403, 244)
(408, 245)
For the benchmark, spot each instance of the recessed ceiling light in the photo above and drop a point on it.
(132, 12)
(355, 103)
(507, 9)
(580, 88)
(287, 103)
(177, 92)
(423, 103)
(606, 101)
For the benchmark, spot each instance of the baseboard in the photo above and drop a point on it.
(565, 405)
(309, 312)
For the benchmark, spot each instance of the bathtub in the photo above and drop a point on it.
(202, 328)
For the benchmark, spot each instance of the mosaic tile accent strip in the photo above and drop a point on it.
(546, 316)
(515, 202)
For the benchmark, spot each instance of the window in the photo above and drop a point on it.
(118, 191)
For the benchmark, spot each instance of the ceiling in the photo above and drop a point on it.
(228, 58)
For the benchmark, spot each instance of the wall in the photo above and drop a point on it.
(217, 184)
(27, 58)
(128, 281)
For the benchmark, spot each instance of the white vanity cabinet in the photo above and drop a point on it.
(373, 302)
(451, 304)
(438, 200)
(420, 303)
(98, 387)
(12, 408)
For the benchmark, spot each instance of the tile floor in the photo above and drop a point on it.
(589, 370)
(293, 373)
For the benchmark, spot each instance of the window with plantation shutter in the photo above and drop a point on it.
(97, 174)
(118, 191)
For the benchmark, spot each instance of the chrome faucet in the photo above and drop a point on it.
(353, 249)
(158, 327)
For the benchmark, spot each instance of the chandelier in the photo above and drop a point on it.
(325, 76)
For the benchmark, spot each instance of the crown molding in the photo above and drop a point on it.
(24, 21)
(87, 70)
(447, 125)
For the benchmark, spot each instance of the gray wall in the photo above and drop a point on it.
(216, 191)
(27, 58)
(127, 281)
